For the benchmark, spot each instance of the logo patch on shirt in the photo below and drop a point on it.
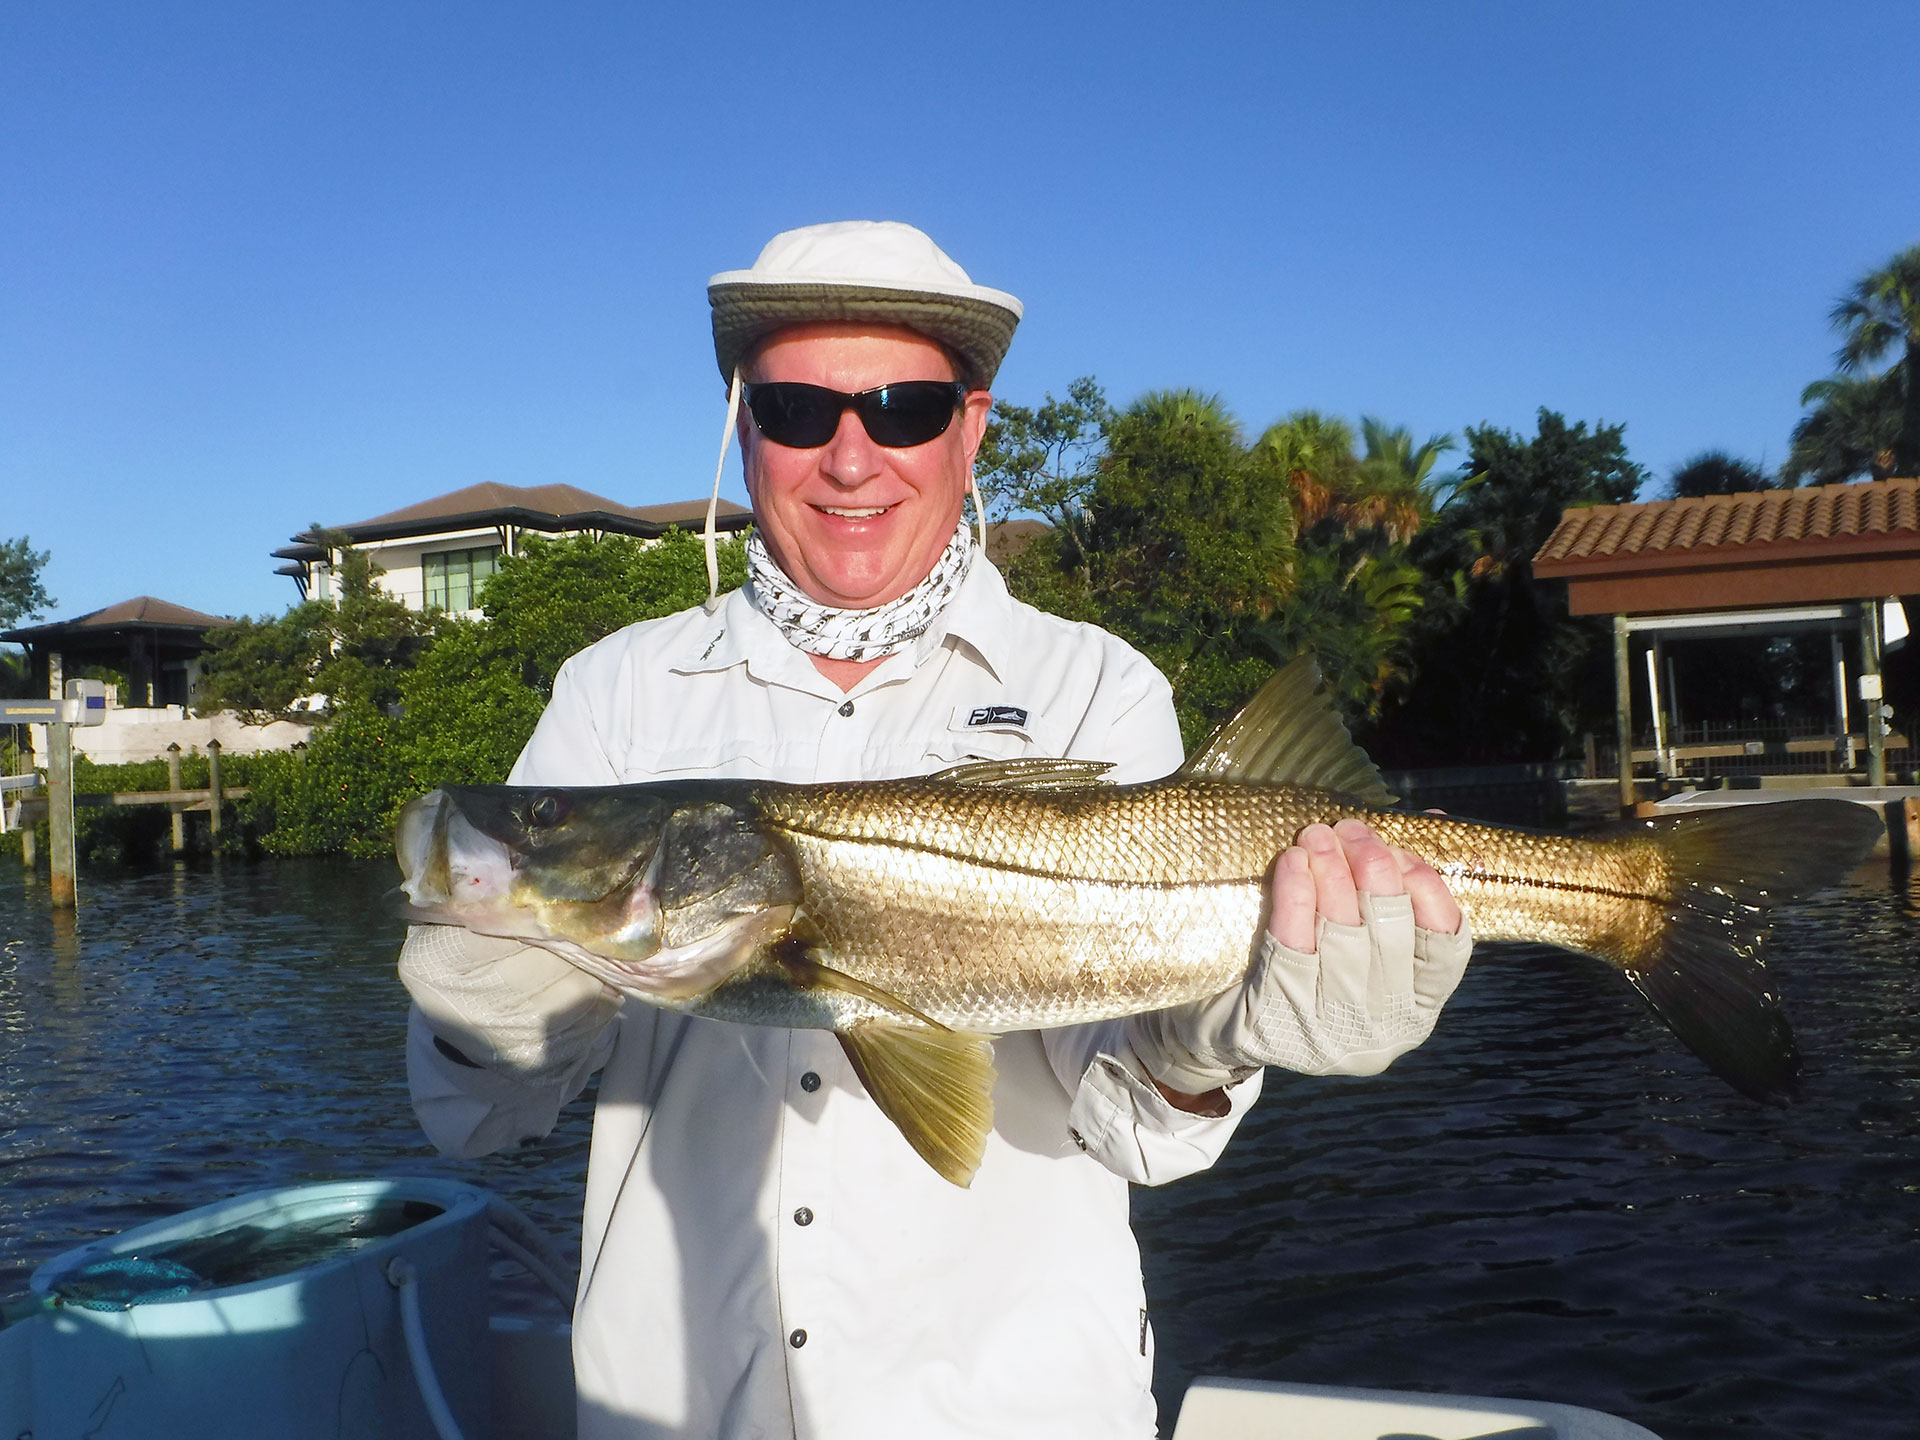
(997, 715)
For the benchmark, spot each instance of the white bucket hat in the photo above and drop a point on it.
(873, 270)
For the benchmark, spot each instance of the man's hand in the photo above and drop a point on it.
(1325, 871)
(1364, 945)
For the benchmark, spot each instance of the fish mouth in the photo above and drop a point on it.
(446, 861)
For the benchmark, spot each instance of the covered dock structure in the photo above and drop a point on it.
(155, 644)
(1843, 560)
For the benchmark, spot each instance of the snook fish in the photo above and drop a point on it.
(916, 918)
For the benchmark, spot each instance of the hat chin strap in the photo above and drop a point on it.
(709, 539)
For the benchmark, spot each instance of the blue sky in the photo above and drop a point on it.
(262, 266)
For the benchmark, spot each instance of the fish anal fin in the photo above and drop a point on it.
(1290, 734)
(1031, 772)
(935, 1085)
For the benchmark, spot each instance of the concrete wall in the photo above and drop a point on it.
(131, 735)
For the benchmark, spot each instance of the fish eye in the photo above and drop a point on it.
(548, 808)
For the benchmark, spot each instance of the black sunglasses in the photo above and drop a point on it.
(898, 416)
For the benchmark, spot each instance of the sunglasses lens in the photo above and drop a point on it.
(801, 416)
(910, 413)
(804, 417)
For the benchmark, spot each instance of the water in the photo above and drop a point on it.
(1548, 1200)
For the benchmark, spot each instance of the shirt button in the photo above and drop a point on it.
(797, 1339)
(809, 1082)
(803, 1216)
(847, 709)
(1077, 1139)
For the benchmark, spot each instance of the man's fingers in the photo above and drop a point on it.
(1369, 860)
(1294, 902)
(1333, 886)
(1434, 907)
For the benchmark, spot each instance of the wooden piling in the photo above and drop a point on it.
(213, 791)
(61, 862)
(1623, 710)
(173, 783)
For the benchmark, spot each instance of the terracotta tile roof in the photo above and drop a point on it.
(1810, 518)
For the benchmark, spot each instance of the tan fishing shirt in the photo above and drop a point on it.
(763, 1255)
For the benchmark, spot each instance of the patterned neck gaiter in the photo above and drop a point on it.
(856, 634)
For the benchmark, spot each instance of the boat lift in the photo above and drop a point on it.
(85, 703)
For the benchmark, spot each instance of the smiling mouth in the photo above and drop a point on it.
(844, 513)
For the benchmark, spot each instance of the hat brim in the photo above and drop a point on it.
(745, 312)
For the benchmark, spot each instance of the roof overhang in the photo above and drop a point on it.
(1854, 567)
(603, 520)
(1766, 549)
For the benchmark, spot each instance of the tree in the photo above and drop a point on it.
(355, 650)
(1352, 592)
(559, 596)
(1880, 315)
(258, 667)
(1854, 429)
(1501, 672)
(1715, 472)
(1178, 539)
(1042, 461)
(22, 596)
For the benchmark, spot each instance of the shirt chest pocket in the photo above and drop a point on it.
(971, 736)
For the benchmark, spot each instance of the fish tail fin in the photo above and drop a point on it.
(1700, 968)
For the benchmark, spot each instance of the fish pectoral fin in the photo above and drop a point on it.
(1034, 772)
(936, 1085)
(799, 961)
(1290, 734)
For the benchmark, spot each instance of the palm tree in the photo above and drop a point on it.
(1315, 454)
(1399, 475)
(1854, 429)
(1882, 313)
(1715, 472)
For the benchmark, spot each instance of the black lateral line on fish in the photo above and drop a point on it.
(1031, 871)
(1465, 872)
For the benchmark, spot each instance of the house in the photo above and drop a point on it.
(156, 646)
(436, 553)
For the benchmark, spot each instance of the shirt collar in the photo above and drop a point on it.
(738, 634)
(980, 617)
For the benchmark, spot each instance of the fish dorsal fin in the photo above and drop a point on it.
(1289, 733)
(1028, 773)
(936, 1085)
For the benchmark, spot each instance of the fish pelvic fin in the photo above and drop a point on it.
(1702, 969)
(1290, 734)
(936, 1085)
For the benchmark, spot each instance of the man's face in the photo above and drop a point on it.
(855, 524)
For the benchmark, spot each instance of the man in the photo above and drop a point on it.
(763, 1253)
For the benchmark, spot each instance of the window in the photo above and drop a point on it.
(454, 576)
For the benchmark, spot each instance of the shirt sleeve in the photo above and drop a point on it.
(1117, 1114)
(567, 746)
(478, 1084)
